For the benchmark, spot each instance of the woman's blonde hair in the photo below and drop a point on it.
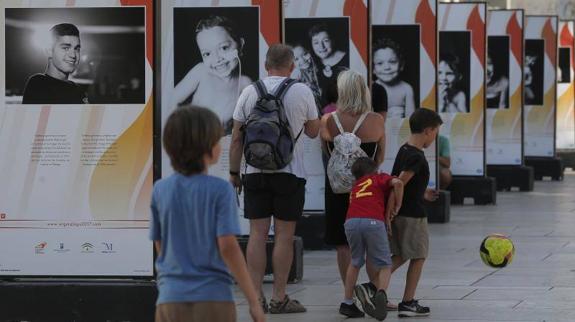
(353, 94)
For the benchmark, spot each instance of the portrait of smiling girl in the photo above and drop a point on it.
(451, 98)
(217, 80)
(306, 71)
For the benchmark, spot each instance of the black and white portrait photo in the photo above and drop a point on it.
(497, 72)
(533, 71)
(564, 67)
(75, 55)
(321, 48)
(395, 67)
(453, 71)
(216, 55)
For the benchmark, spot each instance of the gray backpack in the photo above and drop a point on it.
(268, 138)
(347, 149)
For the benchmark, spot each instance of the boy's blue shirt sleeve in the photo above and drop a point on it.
(227, 213)
(155, 232)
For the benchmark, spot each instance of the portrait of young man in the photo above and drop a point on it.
(53, 86)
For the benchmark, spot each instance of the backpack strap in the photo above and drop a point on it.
(283, 88)
(359, 122)
(279, 94)
(337, 122)
(260, 88)
(375, 151)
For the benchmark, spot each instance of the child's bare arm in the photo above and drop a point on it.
(397, 186)
(390, 211)
(236, 263)
(409, 100)
(460, 102)
(188, 85)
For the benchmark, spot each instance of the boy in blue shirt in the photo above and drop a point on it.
(194, 226)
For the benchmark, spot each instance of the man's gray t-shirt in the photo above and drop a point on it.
(299, 104)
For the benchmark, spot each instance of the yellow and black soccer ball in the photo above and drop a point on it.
(497, 251)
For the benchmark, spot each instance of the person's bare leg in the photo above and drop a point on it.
(282, 256)
(350, 281)
(445, 178)
(396, 262)
(372, 273)
(343, 260)
(256, 256)
(413, 275)
(384, 275)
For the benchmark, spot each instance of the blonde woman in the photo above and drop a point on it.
(354, 100)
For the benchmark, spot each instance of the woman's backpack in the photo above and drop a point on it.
(347, 149)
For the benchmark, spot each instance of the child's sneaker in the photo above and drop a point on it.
(379, 311)
(411, 309)
(362, 295)
(350, 310)
(370, 288)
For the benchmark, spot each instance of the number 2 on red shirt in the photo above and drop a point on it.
(364, 185)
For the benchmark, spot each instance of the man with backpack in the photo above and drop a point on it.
(269, 119)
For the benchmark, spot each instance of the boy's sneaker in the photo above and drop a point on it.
(362, 294)
(412, 309)
(379, 301)
(286, 306)
(370, 288)
(350, 310)
(375, 306)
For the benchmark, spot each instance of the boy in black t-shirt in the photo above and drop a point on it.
(54, 87)
(410, 239)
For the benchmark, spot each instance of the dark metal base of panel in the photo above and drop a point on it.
(481, 189)
(551, 167)
(568, 158)
(311, 228)
(512, 176)
(51, 300)
(439, 211)
(296, 271)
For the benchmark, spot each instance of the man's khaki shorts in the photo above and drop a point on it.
(410, 238)
(196, 312)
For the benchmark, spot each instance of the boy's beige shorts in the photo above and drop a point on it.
(410, 238)
(196, 312)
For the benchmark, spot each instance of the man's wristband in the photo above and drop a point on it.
(234, 173)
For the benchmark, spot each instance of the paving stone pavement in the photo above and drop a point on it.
(538, 286)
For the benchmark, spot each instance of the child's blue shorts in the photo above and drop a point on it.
(368, 236)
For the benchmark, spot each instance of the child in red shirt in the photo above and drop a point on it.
(374, 200)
